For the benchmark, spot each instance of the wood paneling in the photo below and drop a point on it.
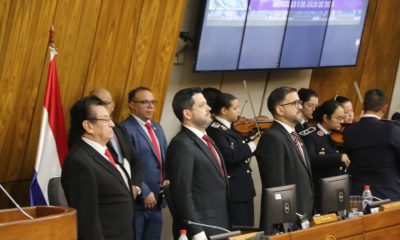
(117, 44)
(377, 61)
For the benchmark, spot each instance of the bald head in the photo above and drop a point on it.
(105, 96)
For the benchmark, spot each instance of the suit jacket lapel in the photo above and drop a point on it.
(145, 136)
(290, 139)
(98, 158)
(207, 152)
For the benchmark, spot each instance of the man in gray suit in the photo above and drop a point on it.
(281, 156)
(195, 168)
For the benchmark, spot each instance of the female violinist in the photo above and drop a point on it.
(310, 100)
(348, 109)
(326, 159)
(236, 154)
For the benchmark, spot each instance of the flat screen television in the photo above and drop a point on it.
(275, 34)
(334, 194)
(279, 207)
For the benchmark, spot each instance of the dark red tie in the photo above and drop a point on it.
(214, 152)
(110, 158)
(296, 140)
(155, 146)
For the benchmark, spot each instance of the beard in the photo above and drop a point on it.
(202, 123)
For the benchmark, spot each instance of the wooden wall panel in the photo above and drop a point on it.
(98, 46)
(377, 62)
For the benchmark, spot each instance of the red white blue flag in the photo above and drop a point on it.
(52, 147)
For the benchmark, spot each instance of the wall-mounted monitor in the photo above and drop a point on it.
(269, 34)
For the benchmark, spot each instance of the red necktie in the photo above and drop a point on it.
(296, 140)
(110, 158)
(214, 152)
(155, 146)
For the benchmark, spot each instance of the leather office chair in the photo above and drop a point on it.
(56, 193)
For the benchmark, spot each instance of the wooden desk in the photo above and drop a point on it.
(382, 226)
(48, 223)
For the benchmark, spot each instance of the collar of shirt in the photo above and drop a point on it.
(197, 132)
(370, 115)
(99, 148)
(326, 132)
(287, 127)
(224, 121)
(139, 119)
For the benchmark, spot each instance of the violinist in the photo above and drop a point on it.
(348, 109)
(236, 154)
(326, 160)
(310, 100)
(374, 149)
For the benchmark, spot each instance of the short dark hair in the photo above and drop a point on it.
(327, 108)
(374, 100)
(211, 94)
(81, 111)
(133, 92)
(306, 93)
(222, 101)
(277, 96)
(342, 100)
(183, 100)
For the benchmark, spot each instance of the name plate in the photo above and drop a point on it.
(327, 218)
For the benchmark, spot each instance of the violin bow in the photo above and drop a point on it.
(244, 105)
(252, 106)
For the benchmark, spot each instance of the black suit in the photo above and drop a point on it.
(281, 164)
(128, 152)
(97, 190)
(198, 188)
(373, 147)
(326, 160)
(236, 155)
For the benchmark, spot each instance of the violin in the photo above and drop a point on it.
(248, 127)
(337, 135)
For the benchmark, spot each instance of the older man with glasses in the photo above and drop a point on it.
(150, 143)
(281, 156)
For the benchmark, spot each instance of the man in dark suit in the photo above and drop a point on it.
(150, 143)
(120, 145)
(195, 168)
(94, 183)
(281, 156)
(374, 149)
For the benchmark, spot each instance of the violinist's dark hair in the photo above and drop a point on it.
(223, 101)
(277, 96)
(81, 111)
(133, 92)
(306, 93)
(183, 99)
(374, 100)
(211, 94)
(327, 108)
(342, 100)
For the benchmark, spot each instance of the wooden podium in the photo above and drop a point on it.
(49, 223)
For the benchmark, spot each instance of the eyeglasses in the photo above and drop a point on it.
(104, 120)
(296, 103)
(311, 105)
(146, 102)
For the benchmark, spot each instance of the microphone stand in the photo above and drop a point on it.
(224, 235)
(15, 203)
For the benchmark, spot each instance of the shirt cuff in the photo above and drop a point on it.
(252, 146)
(139, 190)
(200, 236)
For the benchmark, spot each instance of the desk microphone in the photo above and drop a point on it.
(225, 235)
(15, 203)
